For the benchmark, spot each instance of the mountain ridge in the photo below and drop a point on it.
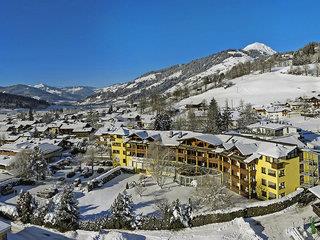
(187, 75)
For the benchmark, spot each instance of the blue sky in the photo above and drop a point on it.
(101, 42)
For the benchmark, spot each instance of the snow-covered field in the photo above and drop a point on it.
(259, 89)
(274, 226)
(98, 202)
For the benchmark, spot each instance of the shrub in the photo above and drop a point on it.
(71, 174)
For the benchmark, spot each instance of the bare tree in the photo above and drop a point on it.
(30, 164)
(158, 157)
(90, 156)
(22, 164)
(162, 205)
(140, 188)
(210, 192)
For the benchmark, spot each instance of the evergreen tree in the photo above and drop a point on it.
(63, 212)
(26, 205)
(162, 122)
(212, 121)
(110, 109)
(122, 214)
(192, 121)
(181, 216)
(31, 118)
(226, 120)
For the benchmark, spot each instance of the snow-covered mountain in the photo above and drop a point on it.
(48, 93)
(189, 75)
(260, 47)
(75, 93)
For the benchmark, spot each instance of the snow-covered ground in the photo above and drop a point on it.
(237, 229)
(259, 89)
(305, 123)
(273, 226)
(97, 203)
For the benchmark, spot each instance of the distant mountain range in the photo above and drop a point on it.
(50, 94)
(183, 81)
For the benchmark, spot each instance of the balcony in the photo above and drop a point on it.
(273, 186)
(272, 173)
(201, 158)
(234, 178)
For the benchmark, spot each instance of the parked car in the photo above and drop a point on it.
(47, 193)
(6, 190)
(88, 174)
(70, 174)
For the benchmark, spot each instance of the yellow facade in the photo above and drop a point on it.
(275, 180)
(310, 168)
(118, 150)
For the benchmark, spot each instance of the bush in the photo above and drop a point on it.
(24, 181)
(71, 174)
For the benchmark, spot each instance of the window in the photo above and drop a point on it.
(272, 195)
(264, 193)
(272, 185)
(271, 173)
(281, 173)
(263, 170)
(116, 144)
(115, 151)
(282, 185)
(264, 182)
(124, 161)
(282, 194)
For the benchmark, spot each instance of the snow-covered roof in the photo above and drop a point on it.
(274, 150)
(252, 157)
(292, 139)
(45, 148)
(246, 148)
(6, 160)
(315, 190)
(4, 227)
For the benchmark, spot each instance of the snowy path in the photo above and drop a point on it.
(277, 224)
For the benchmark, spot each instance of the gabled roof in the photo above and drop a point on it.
(274, 150)
(246, 149)
(141, 134)
(208, 138)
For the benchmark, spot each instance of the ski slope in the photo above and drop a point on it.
(260, 89)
